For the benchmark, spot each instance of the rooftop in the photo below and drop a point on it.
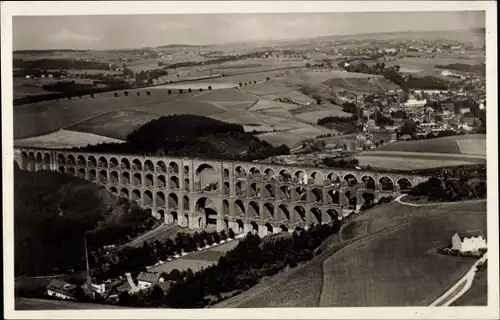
(470, 234)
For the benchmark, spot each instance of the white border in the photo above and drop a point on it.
(8, 9)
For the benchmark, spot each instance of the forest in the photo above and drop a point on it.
(52, 214)
(193, 136)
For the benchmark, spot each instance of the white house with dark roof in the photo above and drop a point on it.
(469, 241)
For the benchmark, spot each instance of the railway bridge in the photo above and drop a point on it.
(244, 196)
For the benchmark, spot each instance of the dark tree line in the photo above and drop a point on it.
(450, 190)
(49, 64)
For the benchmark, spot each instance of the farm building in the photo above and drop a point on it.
(144, 280)
(448, 105)
(412, 103)
(61, 289)
(468, 241)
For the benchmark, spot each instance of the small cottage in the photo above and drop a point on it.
(470, 241)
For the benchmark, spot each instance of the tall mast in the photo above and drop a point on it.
(89, 282)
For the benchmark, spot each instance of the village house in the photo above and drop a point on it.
(448, 105)
(61, 290)
(470, 241)
(144, 280)
(412, 103)
(384, 135)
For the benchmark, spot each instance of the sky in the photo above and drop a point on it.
(134, 31)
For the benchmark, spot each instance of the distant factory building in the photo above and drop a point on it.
(470, 241)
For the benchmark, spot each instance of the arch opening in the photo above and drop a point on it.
(160, 199)
(268, 191)
(149, 180)
(174, 183)
(173, 201)
(300, 213)
(147, 198)
(317, 195)
(368, 182)
(161, 167)
(254, 190)
(386, 183)
(253, 210)
(316, 213)
(124, 193)
(404, 184)
(148, 166)
(125, 164)
(137, 179)
(125, 178)
(285, 214)
(351, 180)
(240, 172)
(173, 167)
(80, 161)
(239, 208)
(206, 206)
(70, 160)
(113, 162)
(161, 181)
(103, 162)
(136, 164)
(207, 178)
(113, 178)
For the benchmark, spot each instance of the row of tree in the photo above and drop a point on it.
(112, 263)
(239, 269)
(450, 190)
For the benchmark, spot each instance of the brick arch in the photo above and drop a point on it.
(81, 160)
(113, 162)
(239, 208)
(137, 164)
(299, 213)
(269, 210)
(284, 212)
(160, 199)
(124, 193)
(114, 177)
(351, 179)
(317, 177)
(253, 210)
(173, 167)
(92, 161)
(148, 165)
(315, 214)
(161, 166)
(103, 162)
(70, 160)
(317, 194)
(60, 159)
(136, 195)
(269, 172)
(147, 198)
(387, 183)
(368, 181)
(125, 164)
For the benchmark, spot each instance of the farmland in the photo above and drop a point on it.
(406, 238)
(65, 139)
(468, 144)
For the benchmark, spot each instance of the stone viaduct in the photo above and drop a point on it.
(244, 196)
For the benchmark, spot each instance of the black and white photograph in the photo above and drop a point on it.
(305, 159)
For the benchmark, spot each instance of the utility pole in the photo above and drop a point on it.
(89, 282)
